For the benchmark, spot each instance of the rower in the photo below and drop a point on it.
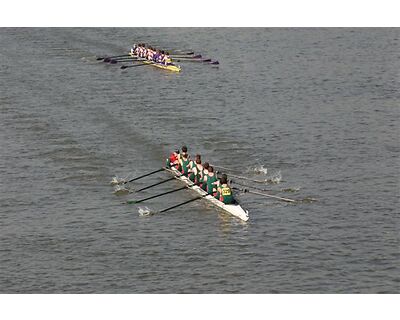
(156, 55)
(224, 191)
(196, 169)
(173, 160)
(144, 52)
(183, 151)
(150, 53)
(210, 180)
(167, 59)
(203, 178)
(137, 50)
(184, 161)
(133, 49)
(161, 57)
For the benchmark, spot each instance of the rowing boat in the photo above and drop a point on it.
(170, 67)
(234, 209)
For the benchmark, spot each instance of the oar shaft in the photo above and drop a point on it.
(112, 57)
(125, 59)
(245, 178)
(247, 186)
(181, 204)
(156, 196)
(198, 56)
(145, 175)
(136, 65)
(270, 196)
(155, 184)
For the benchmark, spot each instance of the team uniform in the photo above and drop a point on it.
(224, 194)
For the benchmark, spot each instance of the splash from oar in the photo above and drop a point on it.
(145, 211)
(120, 190)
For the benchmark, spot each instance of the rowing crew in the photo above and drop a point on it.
(202, 175)
(151, 54)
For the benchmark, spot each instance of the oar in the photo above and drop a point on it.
(181, 204)
(255, 188)
(145, 175)
(136, 65)
(155, 196)
(192, 60)
(223, 168)
(113, 61)
(245, 178)
(155, 184)
(197, 56)
(182, 52)
(112, 57)
(265, 195)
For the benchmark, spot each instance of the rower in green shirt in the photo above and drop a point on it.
(224, 192)
(195, 169)
(210, 180)
(184, 161)
(204, 173)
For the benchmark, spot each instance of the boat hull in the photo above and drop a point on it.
(234, 209)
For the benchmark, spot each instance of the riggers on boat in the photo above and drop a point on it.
(170, 67)
(234, 209)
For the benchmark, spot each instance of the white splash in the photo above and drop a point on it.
(261, 170)
(120, 190)
(275, 178)
(144, 211)
(115, 180)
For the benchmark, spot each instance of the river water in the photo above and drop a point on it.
(316, 110)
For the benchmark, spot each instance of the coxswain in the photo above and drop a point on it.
(224, 191)
(210, 180)
(173, 160)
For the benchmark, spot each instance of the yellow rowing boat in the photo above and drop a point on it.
(170, 67)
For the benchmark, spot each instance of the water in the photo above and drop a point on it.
(319, 107)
